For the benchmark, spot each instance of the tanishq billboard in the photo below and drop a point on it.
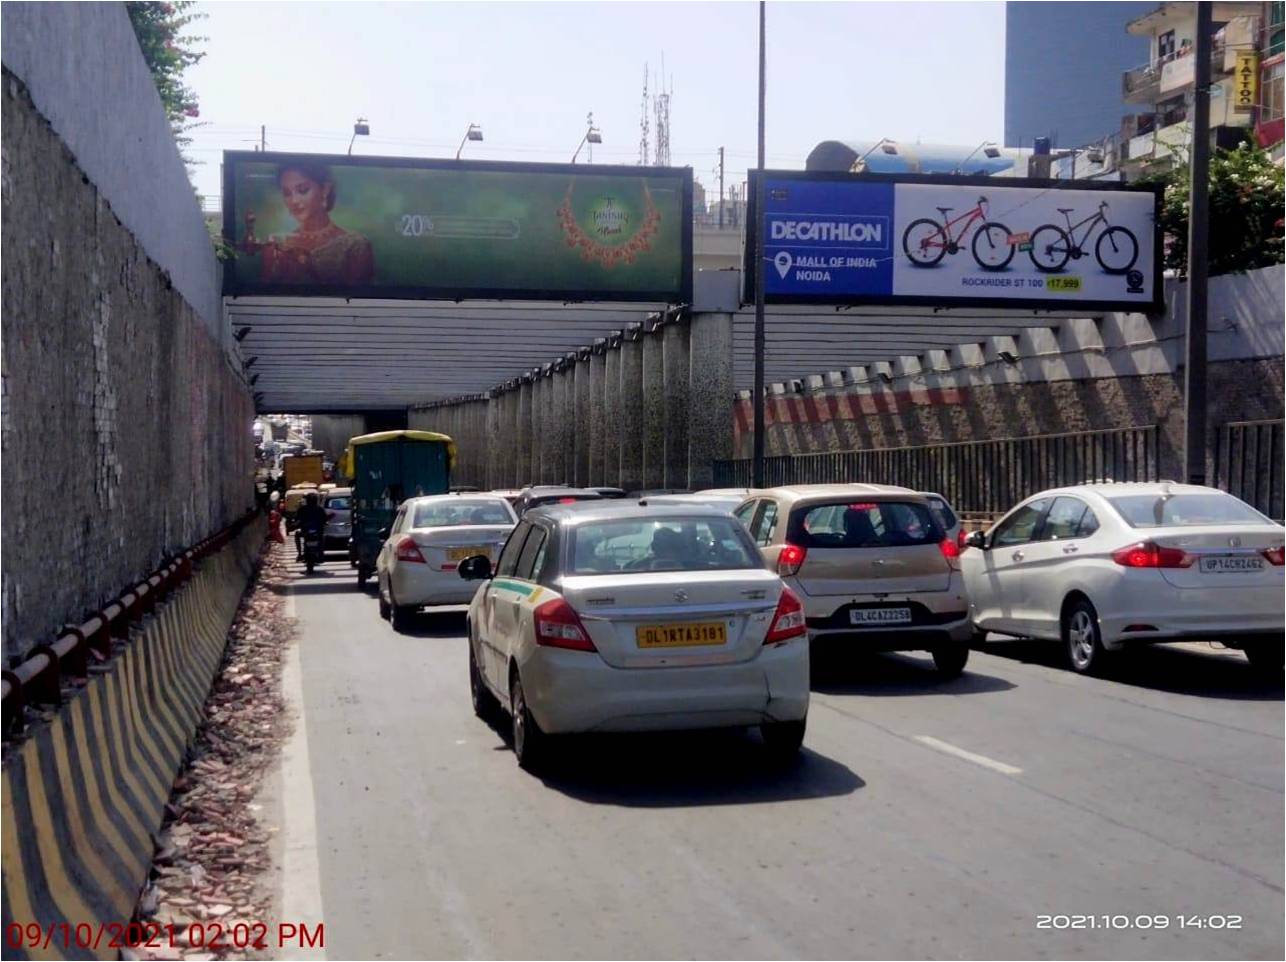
(957, 241)
(397, 227)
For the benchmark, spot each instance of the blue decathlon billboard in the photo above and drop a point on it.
(956, 242)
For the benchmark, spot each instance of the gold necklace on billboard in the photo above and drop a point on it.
(607, 254)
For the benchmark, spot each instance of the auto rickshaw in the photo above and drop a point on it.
(387, 468)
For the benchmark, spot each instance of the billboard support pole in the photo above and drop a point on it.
(758, 464)
(1194, 394)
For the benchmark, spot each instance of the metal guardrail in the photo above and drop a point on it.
(977, 477)
(1248, 464)
(38, 678)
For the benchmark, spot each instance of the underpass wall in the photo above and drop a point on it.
(1121, 371)
(125, 428)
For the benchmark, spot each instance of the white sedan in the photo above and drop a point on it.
(1102, 566)
(625, 617)
(426, 543)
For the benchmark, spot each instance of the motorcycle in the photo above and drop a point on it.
(312, 548)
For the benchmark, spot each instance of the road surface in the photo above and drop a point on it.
(928, 819)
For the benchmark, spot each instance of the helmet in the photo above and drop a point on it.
(310, 499)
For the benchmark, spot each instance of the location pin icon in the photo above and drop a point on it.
(783, 260)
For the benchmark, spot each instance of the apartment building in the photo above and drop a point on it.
(1159, 131)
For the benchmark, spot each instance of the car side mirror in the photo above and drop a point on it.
(477, 568)
(977, 539)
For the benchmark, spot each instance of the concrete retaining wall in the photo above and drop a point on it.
(84, 794)
(84, 71)
(124, 430)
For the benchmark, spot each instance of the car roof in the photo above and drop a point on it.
(1117, 488)
(557, 491)
(456, 498)
(566, 515)
(821, 492)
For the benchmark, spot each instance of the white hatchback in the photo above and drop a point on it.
(1101, 566)
(428, 539)
(625, 617)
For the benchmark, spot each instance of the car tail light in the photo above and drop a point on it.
(1149, 554)
(951, 551)
(788, 620)
(790, 560)
(1276, 555)
(962, 540)
(566, 500)
(408, 550)
(558, 626)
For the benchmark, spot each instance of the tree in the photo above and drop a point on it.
(169, 52)
(1246, 198)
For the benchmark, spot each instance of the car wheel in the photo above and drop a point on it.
(529, 740)
(386, 610)
(399, 616)
(1265, 657)
(484, 703)
(783, 739)
(950, 660)
(1081, 636)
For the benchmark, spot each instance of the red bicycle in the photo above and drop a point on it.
(926, 242)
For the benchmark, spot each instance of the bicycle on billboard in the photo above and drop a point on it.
(1052, 247)
(926, 242)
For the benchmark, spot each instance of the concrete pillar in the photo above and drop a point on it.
(612, 417)
(509, 439)
(653, 447)
(522, 435)
(597, 414)
(539, 422)
(710, 389)
(674, 353)
(561, 427)
(581, 418)
(631, 414)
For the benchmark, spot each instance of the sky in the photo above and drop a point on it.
(529, 73)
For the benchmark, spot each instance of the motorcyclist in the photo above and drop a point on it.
(311, 516)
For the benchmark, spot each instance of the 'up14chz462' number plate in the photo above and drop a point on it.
(1231, 564)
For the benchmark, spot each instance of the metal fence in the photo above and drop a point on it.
(1248, 464)
(977, 477)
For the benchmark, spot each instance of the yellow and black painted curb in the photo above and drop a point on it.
(84, 795)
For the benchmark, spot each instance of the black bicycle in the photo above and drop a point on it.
(1052, 247)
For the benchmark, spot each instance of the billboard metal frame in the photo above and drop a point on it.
(233, 288)
(1155, 306)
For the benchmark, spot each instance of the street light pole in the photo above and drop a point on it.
(758, 464)
(1194, 374)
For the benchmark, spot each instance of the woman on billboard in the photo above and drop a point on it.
(319, 251)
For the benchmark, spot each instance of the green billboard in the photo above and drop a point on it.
(310, 224)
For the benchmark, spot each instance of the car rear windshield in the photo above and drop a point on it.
(445, 514)
(1183, 510)
(339, 504)
(946, 515)
(864, 524)
(657, 544)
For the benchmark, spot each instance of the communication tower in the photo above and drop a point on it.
(661, 105)
(643, 122)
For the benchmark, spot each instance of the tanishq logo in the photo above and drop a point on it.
(608, 218)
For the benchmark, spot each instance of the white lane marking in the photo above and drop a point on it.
(301, 898)
(982, 760)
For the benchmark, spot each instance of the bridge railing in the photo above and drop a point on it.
(1248, 464)
(38, 678)
(978, 477)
